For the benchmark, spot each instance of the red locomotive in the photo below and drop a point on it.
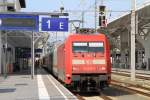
(82, 61)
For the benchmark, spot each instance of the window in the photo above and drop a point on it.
(96, 47)
(80, 47)
(88, 47)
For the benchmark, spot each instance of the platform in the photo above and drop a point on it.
(42, 87)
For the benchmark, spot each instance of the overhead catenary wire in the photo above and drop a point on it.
(73, 11)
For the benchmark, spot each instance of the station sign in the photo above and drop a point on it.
(26, 22)
(54, 24)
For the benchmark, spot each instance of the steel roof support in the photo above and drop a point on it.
(26, 34)
(133, 32)
(2, 9)
(5, 57)
(38, 37)
(0, 52)
(32, 55)
(37, 13)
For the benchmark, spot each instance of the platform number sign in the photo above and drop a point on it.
(54, 24)
(49, 24)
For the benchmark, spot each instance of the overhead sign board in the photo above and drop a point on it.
(25, 22)
(54, 24)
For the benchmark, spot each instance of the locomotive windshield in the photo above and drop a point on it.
(80, 47)
(96, 47)
(88, 47)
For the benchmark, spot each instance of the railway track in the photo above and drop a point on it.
(105, 97)
(79, 97)
(136, 89)
(96, 96)
(128, 75)
(131, 88)
(119, 87)
(137, 85)
(129, 72)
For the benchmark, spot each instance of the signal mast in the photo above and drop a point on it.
(102, 15)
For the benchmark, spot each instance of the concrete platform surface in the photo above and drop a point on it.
(42, 87)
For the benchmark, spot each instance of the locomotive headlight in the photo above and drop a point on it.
(68, 76)
(103, 68)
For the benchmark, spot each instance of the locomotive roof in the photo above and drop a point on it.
(100, 34)
(58, 43)
(87, 34)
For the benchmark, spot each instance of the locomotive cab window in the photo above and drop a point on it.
(80, 47)
(88, 47)
(96, 47)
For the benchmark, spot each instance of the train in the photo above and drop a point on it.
(82, 62)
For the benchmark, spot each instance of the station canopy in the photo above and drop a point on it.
(122, 23)
(23, 38)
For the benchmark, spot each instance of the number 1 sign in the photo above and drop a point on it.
(54, 24)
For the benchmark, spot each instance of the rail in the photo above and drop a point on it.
(131, 88)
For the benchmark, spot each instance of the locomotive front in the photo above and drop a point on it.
(90, 62)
